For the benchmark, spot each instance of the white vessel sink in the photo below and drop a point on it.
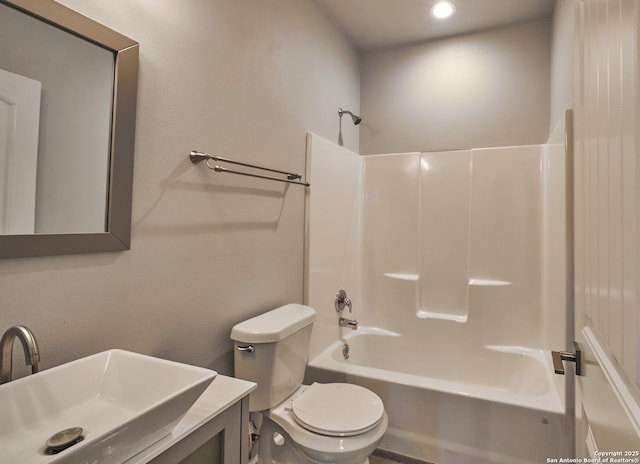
(123, 401)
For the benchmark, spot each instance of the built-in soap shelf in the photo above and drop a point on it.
(447, 316)
(472, 282)
(402, 276)
(488, 283)
(422, 314)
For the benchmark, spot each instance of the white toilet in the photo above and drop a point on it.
(319, 423)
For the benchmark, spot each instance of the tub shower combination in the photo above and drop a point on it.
(493, 405)
(454, 293)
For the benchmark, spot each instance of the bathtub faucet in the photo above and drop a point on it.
(351, 323)
(342, 300)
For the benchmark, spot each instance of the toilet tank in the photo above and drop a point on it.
(271, 350)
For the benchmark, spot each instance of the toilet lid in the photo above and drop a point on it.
(337, 409)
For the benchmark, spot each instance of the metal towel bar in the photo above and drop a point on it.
(291, 178)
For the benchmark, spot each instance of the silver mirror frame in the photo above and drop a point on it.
(117, 236)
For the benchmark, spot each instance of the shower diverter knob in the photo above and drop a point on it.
(342, 300)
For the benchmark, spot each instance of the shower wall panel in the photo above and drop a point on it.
(390, 240)
(455, 236)
(423, 241)
(505, 262)
(333, 232)
(445, 183)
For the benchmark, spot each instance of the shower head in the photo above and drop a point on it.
(354, 117)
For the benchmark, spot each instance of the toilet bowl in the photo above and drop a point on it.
(346, 429)
(298, 424)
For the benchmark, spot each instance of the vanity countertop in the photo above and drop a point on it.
(223, 393)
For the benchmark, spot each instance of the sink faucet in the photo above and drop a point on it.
(351, 323)
(29, 345)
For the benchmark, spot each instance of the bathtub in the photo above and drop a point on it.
(454, 405)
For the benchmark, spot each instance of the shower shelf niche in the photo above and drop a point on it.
(488, 283)
(472, 282)
(422, 314)
(402, 276)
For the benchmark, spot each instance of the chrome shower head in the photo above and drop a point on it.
(354, 117)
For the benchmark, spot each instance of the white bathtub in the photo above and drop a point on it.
(455, 405)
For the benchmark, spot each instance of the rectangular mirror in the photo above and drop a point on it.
(68, 88)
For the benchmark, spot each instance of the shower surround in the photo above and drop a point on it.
(453, 261)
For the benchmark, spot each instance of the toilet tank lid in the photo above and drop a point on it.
(273, 325)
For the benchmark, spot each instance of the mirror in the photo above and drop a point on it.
(68, 89)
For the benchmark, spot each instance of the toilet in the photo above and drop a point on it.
(298, 424)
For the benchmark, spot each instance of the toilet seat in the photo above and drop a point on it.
(319, 445)
(337, 409)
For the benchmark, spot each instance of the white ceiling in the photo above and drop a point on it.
(382, 23)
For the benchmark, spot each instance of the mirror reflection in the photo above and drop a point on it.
(67, 131)
(56, 92)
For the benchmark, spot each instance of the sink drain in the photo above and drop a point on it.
(64, 439)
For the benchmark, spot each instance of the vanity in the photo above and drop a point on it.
(213, 431)
(118, 406)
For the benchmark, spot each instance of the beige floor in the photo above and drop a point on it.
(385, 457)
(379, 460)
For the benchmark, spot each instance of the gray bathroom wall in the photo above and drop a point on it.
(562, 60)
(243, 78)
(487, 89)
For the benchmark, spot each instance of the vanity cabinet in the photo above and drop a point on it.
(214, 430)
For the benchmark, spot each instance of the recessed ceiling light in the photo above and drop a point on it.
(442, 10)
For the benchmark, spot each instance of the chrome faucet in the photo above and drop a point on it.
(29, 345)
(342, 300)
(351, 323)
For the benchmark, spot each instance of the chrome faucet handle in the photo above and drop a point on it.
(347, 302)
(342, 300)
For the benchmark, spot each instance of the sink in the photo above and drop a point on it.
(123, 402)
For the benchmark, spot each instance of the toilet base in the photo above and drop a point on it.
(276, 447)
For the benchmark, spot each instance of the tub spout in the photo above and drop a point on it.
(351, 323)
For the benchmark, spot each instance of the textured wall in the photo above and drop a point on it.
(487, 89)
(242, 77)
